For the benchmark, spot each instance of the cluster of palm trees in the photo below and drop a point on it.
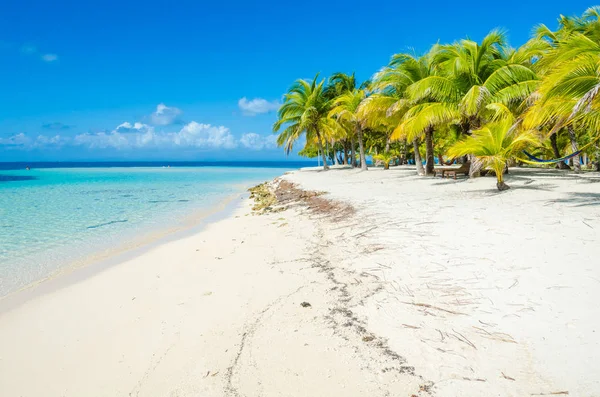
(466, 101)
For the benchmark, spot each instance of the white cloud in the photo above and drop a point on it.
(127, 127)
(138, 135)
(49, 57)
(257, 106)
(16, 140)
(43, 141)
(258, 142)
(204, 135)
(165, 115)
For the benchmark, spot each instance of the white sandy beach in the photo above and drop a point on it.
(431, 287)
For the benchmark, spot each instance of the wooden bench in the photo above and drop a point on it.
(453, 171)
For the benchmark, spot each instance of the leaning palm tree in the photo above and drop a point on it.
(345, 110)
(494, 144)
(304, 113)
(567, 96)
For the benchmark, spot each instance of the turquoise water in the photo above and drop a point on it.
(50, 218)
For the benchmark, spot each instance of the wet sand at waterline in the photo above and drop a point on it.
(387, 284)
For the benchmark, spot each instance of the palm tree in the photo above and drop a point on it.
(385, 158)
(567, 97)
(338, 84)
(304, 112)
(345, 110)
(493, 145)
(467, 76)
(390, 104)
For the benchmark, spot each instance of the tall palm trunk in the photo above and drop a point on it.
(405, 151)
(361, 147)
(320, 145)
(429, 161)
(352, 154)
(387, 145)
(574, 147)
(335, 158)
(475, 168)
(418, 161)
(345, 152)
(561, 164)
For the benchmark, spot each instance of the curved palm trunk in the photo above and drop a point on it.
(361, 148)
(321, 149)
(476, 166)
(576, 162)
(418, 163)
(561, 164)
(429, 161)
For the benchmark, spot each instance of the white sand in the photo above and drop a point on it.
(432, 285)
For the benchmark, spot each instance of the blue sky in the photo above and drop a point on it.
(196, 80)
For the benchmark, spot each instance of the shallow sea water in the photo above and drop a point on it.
(50, 218)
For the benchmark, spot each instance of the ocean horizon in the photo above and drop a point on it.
(59, 213)
(22, 165)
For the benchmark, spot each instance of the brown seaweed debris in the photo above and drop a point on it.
(264, 198)
(281, 194)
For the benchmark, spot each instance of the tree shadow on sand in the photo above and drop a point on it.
(577, 199)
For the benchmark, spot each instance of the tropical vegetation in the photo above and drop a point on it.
(478, 102)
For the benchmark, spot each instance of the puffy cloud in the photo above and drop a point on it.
(18, 140)
(49, 57)
(258, 142)
(43, 140)
(165, 115)
(257, 106)
(204, 135)
(127, 127)
(138, 135)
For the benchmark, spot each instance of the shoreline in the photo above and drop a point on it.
(91, 264)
